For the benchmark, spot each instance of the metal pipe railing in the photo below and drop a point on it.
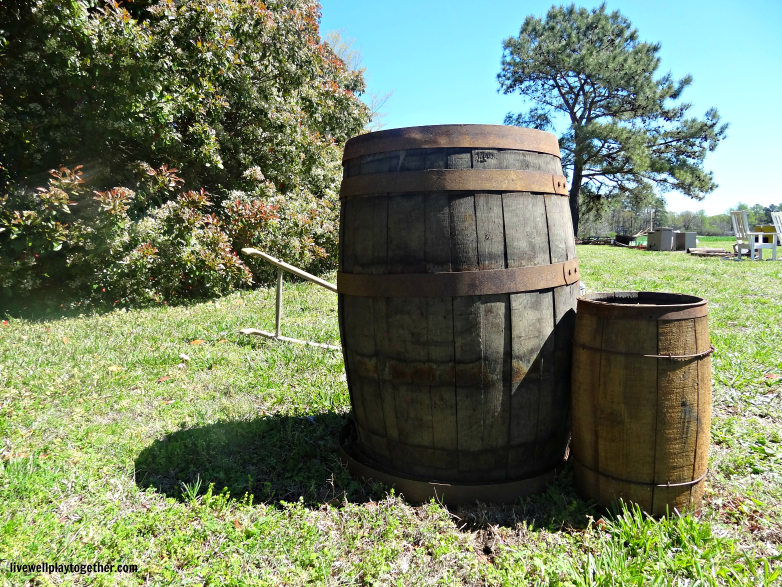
(291, 268)
(283, 266)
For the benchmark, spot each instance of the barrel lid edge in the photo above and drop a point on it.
(671, 311)
(357, 146)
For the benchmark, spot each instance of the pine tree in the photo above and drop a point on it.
(628, 133)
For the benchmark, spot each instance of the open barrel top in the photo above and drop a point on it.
(477, 136)
(643, 305)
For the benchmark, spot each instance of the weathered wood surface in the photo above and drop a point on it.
(640, 423)
(451, 158)
(706, 252)
(469, 389)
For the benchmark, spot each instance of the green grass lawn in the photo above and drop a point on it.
(125, 440)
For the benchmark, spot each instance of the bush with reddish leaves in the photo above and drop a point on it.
(300, 228)
(241, 98)
(179, 250)
(65, 238)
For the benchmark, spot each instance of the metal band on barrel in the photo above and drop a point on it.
(620, 480)
(699, 355)
(474, 136)
(454, 180)
(457, 284)
(417, 489)
(649, 306)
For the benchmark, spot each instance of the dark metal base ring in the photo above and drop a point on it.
(420, 490)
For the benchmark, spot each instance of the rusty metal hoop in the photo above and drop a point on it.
(475, 136)
(465, 283)
(421, 490)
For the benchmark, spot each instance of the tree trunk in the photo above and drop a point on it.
(575, 190)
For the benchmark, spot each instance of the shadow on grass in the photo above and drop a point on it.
(271, 458)
(286, 458)
(42, 306)
(58, 302)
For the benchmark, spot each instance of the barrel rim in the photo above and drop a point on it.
(476, 136)
(670, 306)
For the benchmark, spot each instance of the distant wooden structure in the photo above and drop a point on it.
(707, 252)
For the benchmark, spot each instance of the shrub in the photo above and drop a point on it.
(238, 98)
(51, 233)
(91, 244)
(213, 87)
(179, 250)
(299, 227)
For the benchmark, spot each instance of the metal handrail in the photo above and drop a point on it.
(283, 266)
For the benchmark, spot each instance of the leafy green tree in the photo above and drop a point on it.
(212, 87)
(627, 133)
(761, 214)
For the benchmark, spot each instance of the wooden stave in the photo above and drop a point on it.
(512, 455)
(685, 335)
(524, 457)
(528, 164)
(546, 450)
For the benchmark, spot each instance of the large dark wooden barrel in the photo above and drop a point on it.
(642, 399)
(457, 287)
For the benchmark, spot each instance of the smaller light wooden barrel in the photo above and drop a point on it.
(641, 399)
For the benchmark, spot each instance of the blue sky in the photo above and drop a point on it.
(441, 59)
